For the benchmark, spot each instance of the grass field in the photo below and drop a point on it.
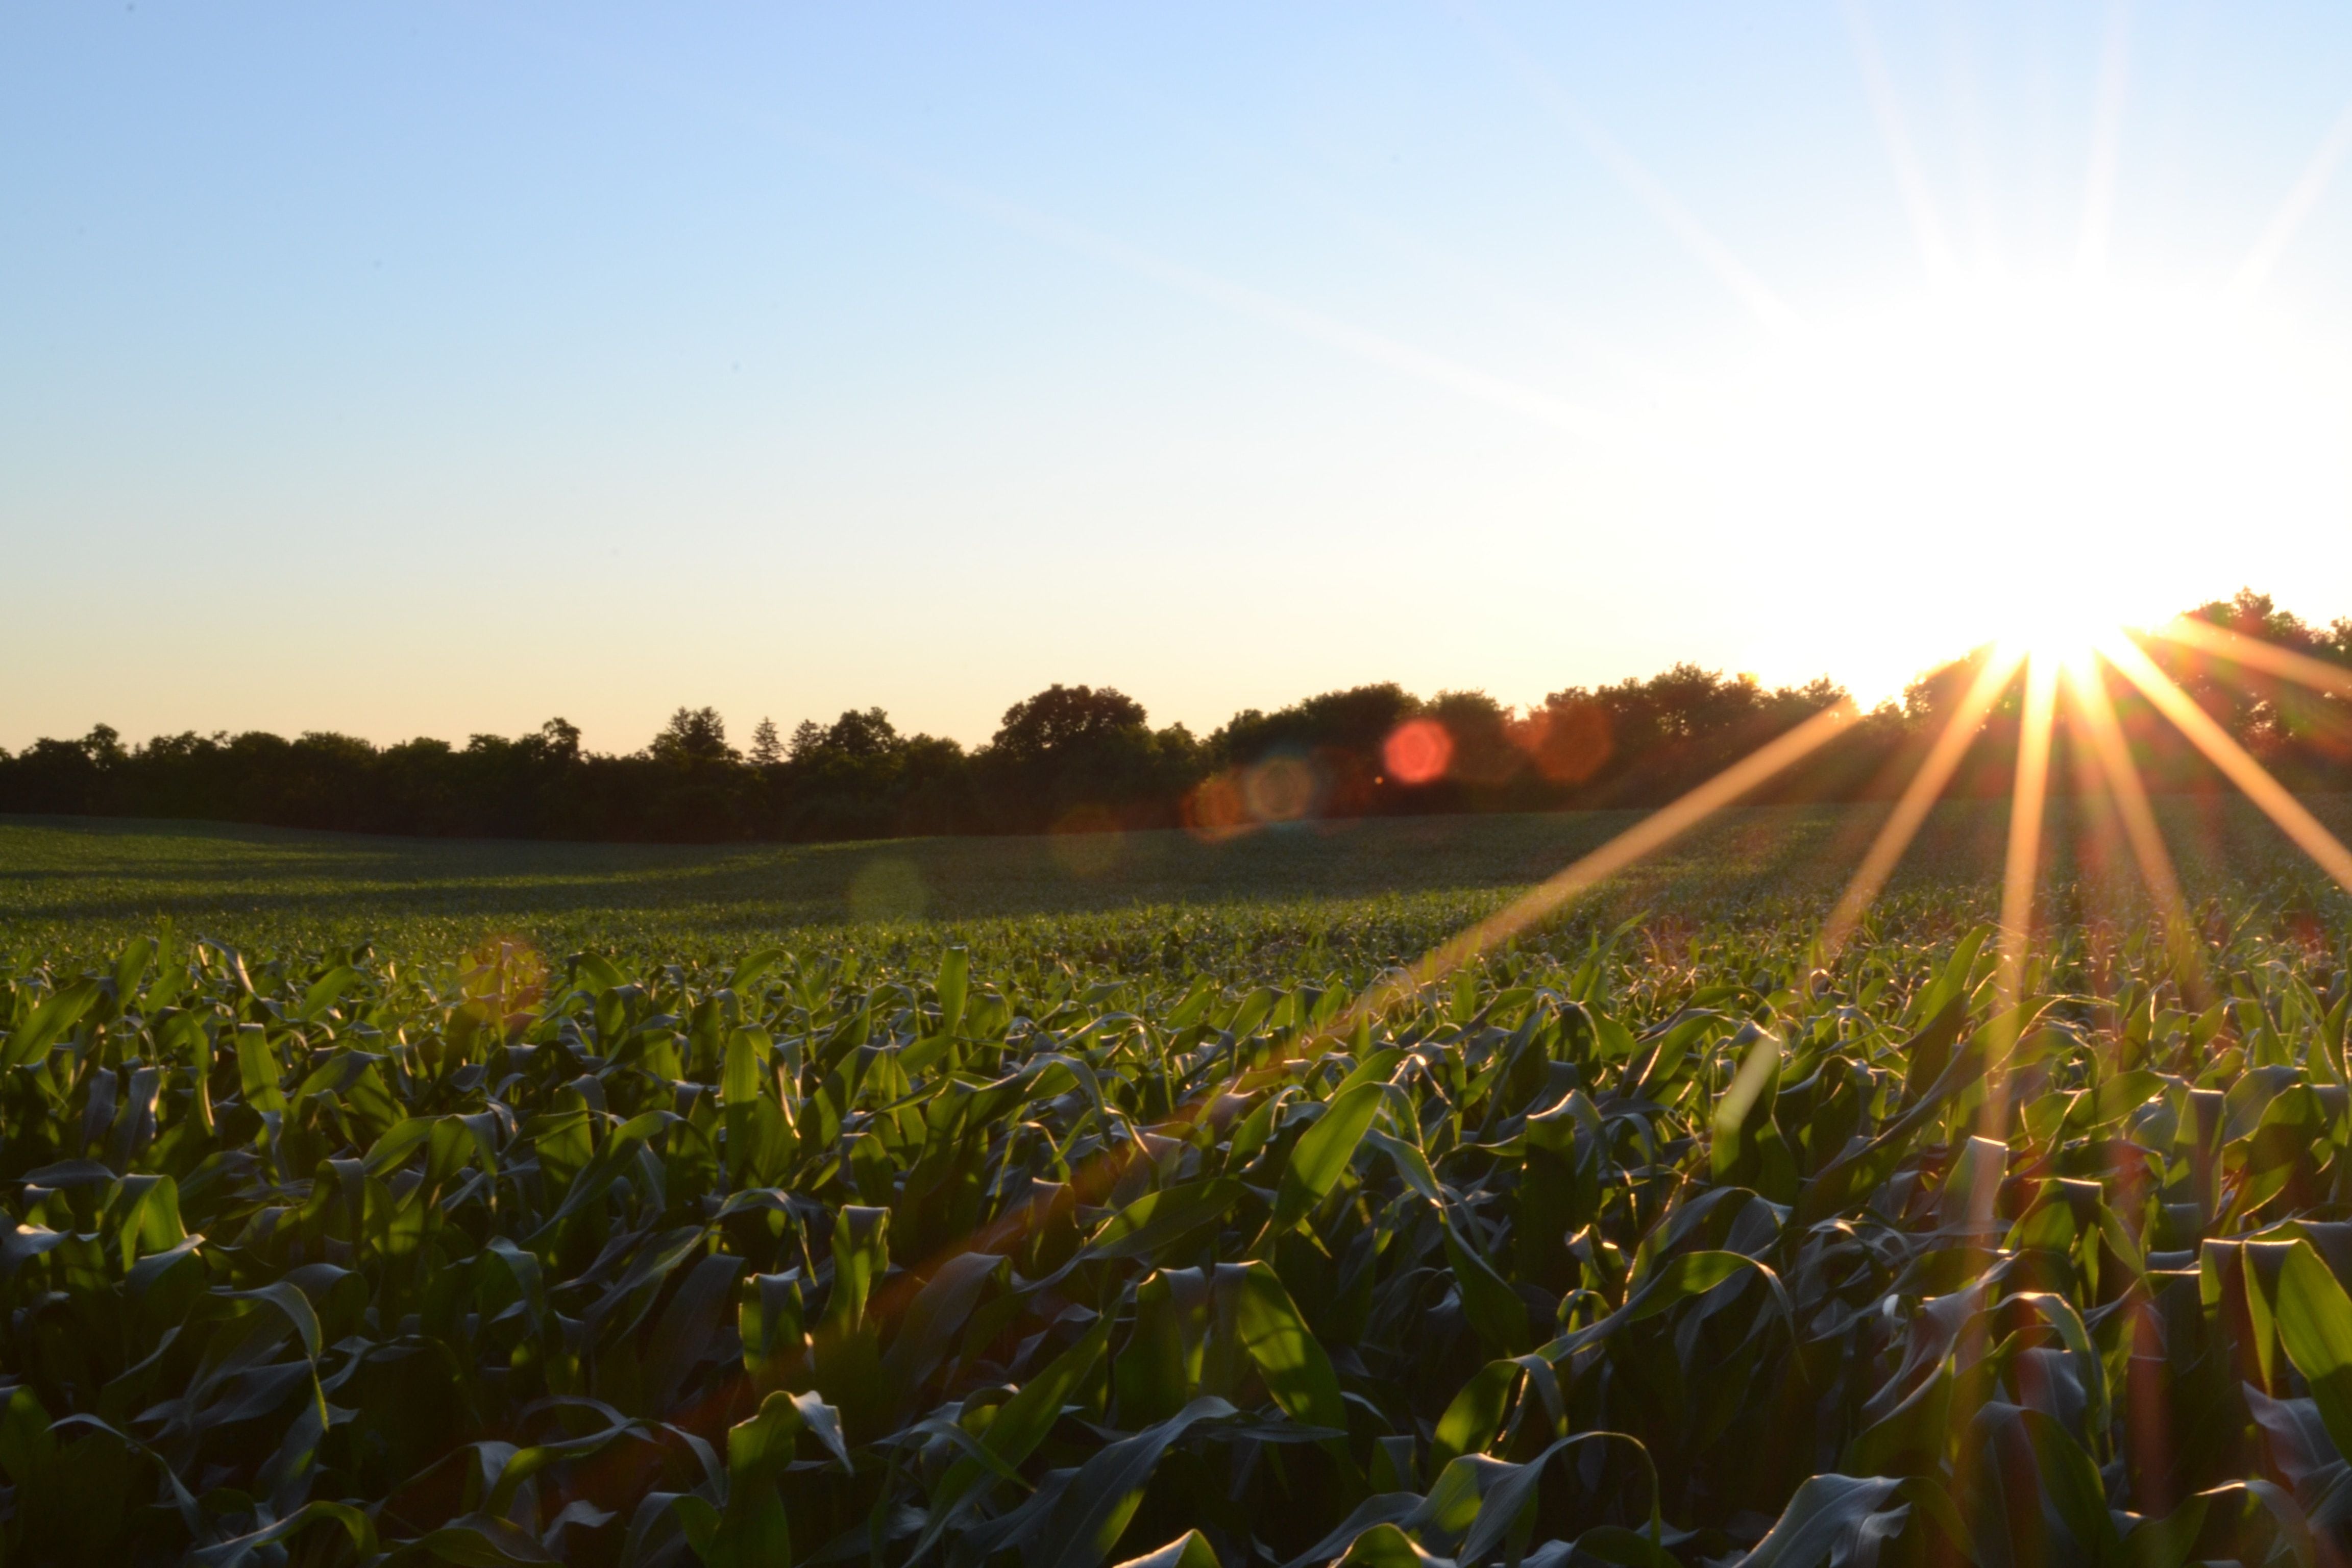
(645, 1206)
(70, 883)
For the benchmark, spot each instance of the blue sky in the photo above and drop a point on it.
(438, 369)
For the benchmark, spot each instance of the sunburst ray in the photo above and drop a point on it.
(2019, 870)
(1910, 177)
(2222, 643)
(1926, 787)
(2294, 818)
(2090, 703)
(1760, 298)
(2301, 199)
(2106, 142)
(1096, 1175)
(1644, 838)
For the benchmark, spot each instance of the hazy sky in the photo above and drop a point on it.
(434, 369)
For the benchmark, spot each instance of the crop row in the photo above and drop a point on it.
(1604, 1250)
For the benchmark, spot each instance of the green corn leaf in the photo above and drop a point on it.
(1189, 1550)
(1494, 1309)
(31, 1039)
(130, 968)
(1475, 1415)
(1322, 1154)
(1020, 1424)
(258, 1069)
(1745, 1112)
(1157, 1221)
(1828, 1523)
(1297, 1369)
(752, 1529)
(1092, 1512)
(1505, 1505)
(2314, 1322)
(953, 984)
(1386, 1546)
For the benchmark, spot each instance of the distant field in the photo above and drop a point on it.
(68, 884)
(1159, 1219)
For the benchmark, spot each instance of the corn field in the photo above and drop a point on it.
(1606, 1249)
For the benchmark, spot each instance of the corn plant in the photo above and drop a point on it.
(1642, 1249)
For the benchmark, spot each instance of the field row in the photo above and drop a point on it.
(1611, 1246)
(1378, 890)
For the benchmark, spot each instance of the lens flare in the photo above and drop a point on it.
(1926, 787)
(1568, 744)
(2081, 653)
(2292, 816)
(2048, 455)
(2113, 756)
(1280, 789)
(1216, 809)
(1417, 752)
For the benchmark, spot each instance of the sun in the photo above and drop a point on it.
(2044, 618)
(2074, 648)
(2035, 461)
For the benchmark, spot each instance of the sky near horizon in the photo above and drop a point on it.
(437, 369)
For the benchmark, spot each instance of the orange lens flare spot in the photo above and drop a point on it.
(1568, 745)
(1277, 790)
(1280, 790)
(1216, 809)
(1418, 751)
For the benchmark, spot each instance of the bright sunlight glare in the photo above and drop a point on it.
(2033, 464)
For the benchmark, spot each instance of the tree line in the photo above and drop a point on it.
(1079, 758)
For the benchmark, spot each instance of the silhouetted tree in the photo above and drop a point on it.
(693, 735)
(1076, 756)
(1079, 756)
(767, 749)
(559, 740)
(2278, 720)
(1484, 756)
(854, 734)
(1062, 721)
(1356, 722)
